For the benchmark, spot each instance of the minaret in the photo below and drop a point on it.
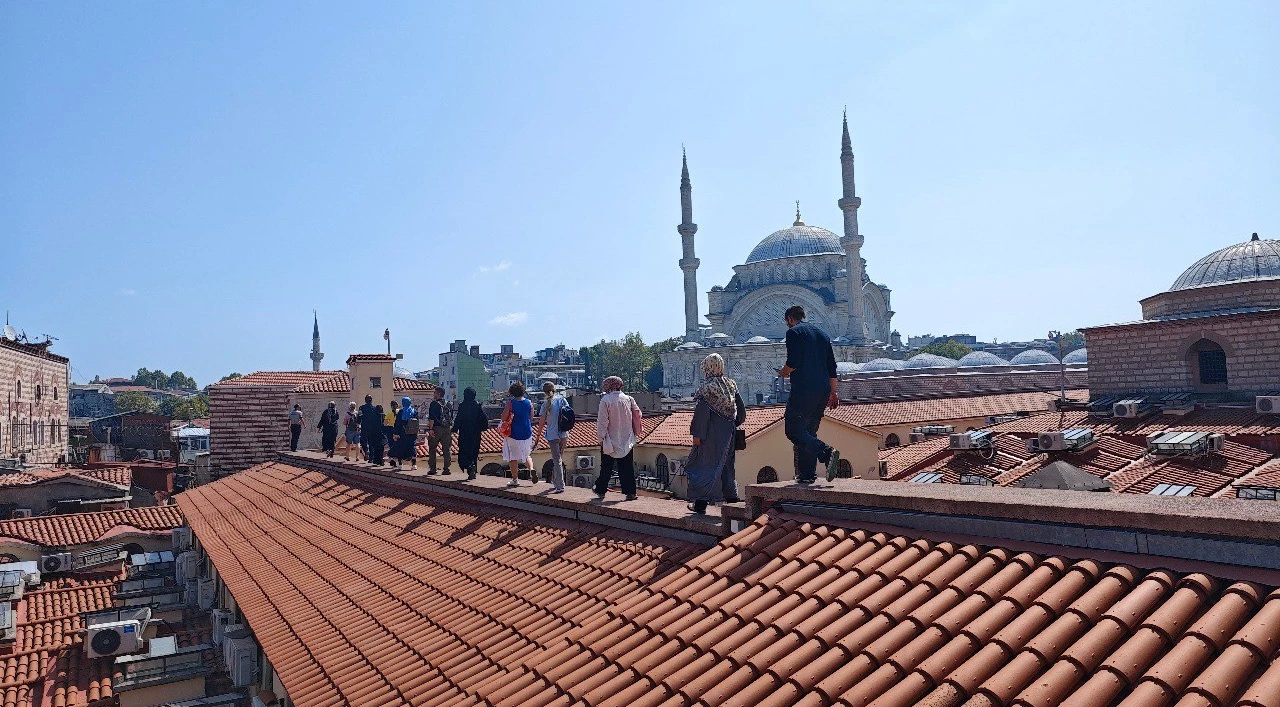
(316, 356)
(851, 241)
(688, 263)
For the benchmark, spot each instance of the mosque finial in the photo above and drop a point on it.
(799, 221)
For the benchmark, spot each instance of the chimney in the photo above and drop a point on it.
(475, 351)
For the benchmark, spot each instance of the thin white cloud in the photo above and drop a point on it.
(510, 319)
(504, 265)
(128, 292)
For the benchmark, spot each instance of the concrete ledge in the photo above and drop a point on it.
(663, 517)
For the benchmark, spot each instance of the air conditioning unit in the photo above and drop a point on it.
(584, 463)
(21, 513)
(207, 590)
(1127, 408)
(973, 439)
(675, 467)
(1217, 442)
(220, 619)
(1064, 440)
(1033, 445)
(191, 593)
(60, 562)
(1267, 404)
(187, 567)
(242, 661)
(917, 437)
(182, 538)
(582, 481)
(115, 638)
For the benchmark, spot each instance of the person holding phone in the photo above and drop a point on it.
(811, 367)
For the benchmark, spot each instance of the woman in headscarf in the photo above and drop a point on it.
(470, 423)
(718, 413)
(406, 432)
(618, 425)
(328, 427)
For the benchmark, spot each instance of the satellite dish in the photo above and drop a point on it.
(10, 333)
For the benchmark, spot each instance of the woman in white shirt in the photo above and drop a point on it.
(618, 424)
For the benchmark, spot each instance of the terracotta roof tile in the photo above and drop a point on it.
(340, 382)
(902, 412)
(83, 528)
(287, 379)
(107, 477)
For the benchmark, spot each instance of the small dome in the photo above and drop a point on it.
(1033, 357)
(1252, 260)
(981, 358)
(1080, 355)
(797, 240)
(882, 364)
(402, 372)
(689, 345)
(844, 367)
(758, 340)
(549, 376)
(928, 360)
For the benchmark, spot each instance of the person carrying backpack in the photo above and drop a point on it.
(351, 432)
(557, 418)
(440, 415)
(405, 433)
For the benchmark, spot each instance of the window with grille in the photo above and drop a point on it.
(1213, 366)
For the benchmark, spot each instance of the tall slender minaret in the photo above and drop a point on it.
(316, 356)
(688, 263)
(851, 241)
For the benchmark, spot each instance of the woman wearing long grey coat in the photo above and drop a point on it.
(719, 411)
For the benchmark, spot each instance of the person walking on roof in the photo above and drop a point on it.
(470, 423)
(296, 421)
(351, 432)
(406, 433)
(389, 431)
(440, 419)
(517, 425)
(328, 426)
(716, 417)
(371, 430)
(811, 366)
(618, 424)
(552, 404)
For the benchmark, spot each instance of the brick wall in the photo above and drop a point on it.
(248, 424)
(1232, 295)
(1152, 356)
(34, 421)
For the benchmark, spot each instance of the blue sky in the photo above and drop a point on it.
(183, 183)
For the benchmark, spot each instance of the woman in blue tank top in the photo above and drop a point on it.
(517, 425)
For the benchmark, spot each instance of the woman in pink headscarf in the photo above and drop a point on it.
(618, 424)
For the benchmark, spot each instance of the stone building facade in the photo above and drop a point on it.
(1215, 333)
(34, 387)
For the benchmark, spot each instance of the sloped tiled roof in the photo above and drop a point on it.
(674, 431)
(902, 412)
(797, 612)
(289, 379)
(82, 528)
(120, 477)
(341, 383)
(406, 597)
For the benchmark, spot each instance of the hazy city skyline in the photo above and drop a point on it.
(185, 184)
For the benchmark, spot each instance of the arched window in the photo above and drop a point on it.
(492, 469)
(548, 469)
(892, 440)
(767, 475)
(663, 469)
(39, 391)
(1208, 365)
(844, 470)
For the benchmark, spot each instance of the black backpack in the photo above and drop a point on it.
(567, 417)
(411, 426)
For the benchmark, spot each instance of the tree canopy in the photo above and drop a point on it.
(946, 347)
(196, 406)
(628, 358)
(133, 401)
(231, 376)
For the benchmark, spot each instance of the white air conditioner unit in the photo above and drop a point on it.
(191, 593)
(974, 439)
(115, 638)
(182, 538)
(187, 567)
(675, 467)
(21, 513)
(1267, 404)
(242, 661)
(916, 437)
(220, 619)
(228, 642)
(584, 463)
(1126, 408)
(582, 481)
(1217, 442)
(207, 590)
(1064, 440)
(60, 562)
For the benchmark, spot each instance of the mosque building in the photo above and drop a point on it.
(802, 264)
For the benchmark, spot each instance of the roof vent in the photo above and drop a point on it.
(1194, 443)
(934, 429)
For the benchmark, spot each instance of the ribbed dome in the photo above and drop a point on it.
(689, 345)
(1080, 355)
(843, 367)
(928, 360)
(797, 240)
(981, 358)
(758, 340)
(1033, 357)
(882, 364)
(1252, 260)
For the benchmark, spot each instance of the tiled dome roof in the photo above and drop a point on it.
(981, 358)
(758, 340)
(843, 367)
(883, 364)
(1080, 355)
(928, 360)
(1252, 260)
(797, 240)
(1033, 357)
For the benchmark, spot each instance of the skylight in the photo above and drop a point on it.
(1172, 490)
(926, 477)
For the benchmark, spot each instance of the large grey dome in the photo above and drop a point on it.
(1080, 355)
(1033, 357)
(882, 364)
(797, 240)
(928, 360)
(981, 358)
(1252, 260)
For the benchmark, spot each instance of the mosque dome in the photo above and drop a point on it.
(882, 364)
(1252, 260)
(797, 240)
(927, 360)
(688, 345)
(981, 358)
(844, 367)
(1080, 355)
(1033, 357)
(758, 340)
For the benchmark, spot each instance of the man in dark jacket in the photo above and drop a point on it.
(811, 366)
(470, 423)
(371, 431)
